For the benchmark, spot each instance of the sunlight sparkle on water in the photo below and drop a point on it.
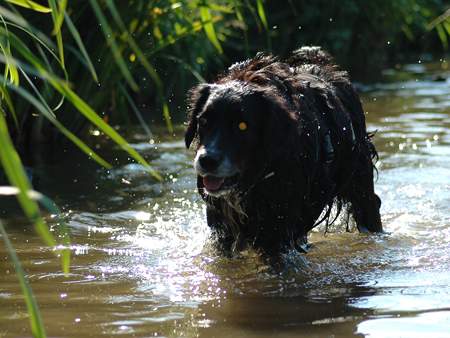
(142, 216)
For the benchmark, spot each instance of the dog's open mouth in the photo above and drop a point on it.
(214, 184)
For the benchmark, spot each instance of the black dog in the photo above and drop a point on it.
(278, 143)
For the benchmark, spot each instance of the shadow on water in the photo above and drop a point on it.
(143, 265)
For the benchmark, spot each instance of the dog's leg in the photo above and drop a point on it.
(365, 204)
(222, 239)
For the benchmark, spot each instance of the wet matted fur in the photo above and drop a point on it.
(278, 142)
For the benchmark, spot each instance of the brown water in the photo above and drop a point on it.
(142, 264)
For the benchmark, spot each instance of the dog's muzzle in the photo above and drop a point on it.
(218, 174)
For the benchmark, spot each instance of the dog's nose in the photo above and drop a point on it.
(209, 161)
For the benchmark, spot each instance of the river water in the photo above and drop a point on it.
(142, 263)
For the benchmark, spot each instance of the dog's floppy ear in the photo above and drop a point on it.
(197, 99)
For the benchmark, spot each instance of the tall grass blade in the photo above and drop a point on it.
(18, 44)
(51, 207)
(134, 46)
(440, 29)
(60, 16)
(31, 5)
(76, 36)
(19, 22)
(47, 112)
(186, 65)
(46, 89)
(59, 40)
(447, 26)
(208, 26)
(16, 175)
(262, 16)
(90, 114)
(136, 111)
(141, 57)
(262, 13)
(4, 96)
(41, 41)
(10, 69)
(240, 18)
(37, 325)
(109, 35)
(167, 117)
(441, 18)
(63, 87)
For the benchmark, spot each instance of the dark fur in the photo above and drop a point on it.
(307, 127)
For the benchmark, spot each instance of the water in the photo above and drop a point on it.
(142, 264)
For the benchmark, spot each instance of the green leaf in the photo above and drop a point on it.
(4, 96)
(134, 46)
(262, 13)
(19, 22)
(59, 40)
(37, 325)
(51, 207)
(63, 87)
(31, 5)
(76, 36)
(90, 114)
(220, 8)
(47, 112)
(136, 111)
(208, 26)
(62, 4)
(16, 175)
(442, 35)
(185, 65)
(110, 39)
(143, 60)
(167, 118)
(10, 69)
(41, 41)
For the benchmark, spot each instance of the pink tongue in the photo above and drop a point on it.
(212, 183)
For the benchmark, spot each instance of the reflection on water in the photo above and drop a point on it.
(142, 263)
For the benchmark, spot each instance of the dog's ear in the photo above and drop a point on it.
(197, 99)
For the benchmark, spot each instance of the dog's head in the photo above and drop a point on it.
(238, 130)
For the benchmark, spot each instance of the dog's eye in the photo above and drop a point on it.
(242, 126)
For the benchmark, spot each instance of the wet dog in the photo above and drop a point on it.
(278, 143)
